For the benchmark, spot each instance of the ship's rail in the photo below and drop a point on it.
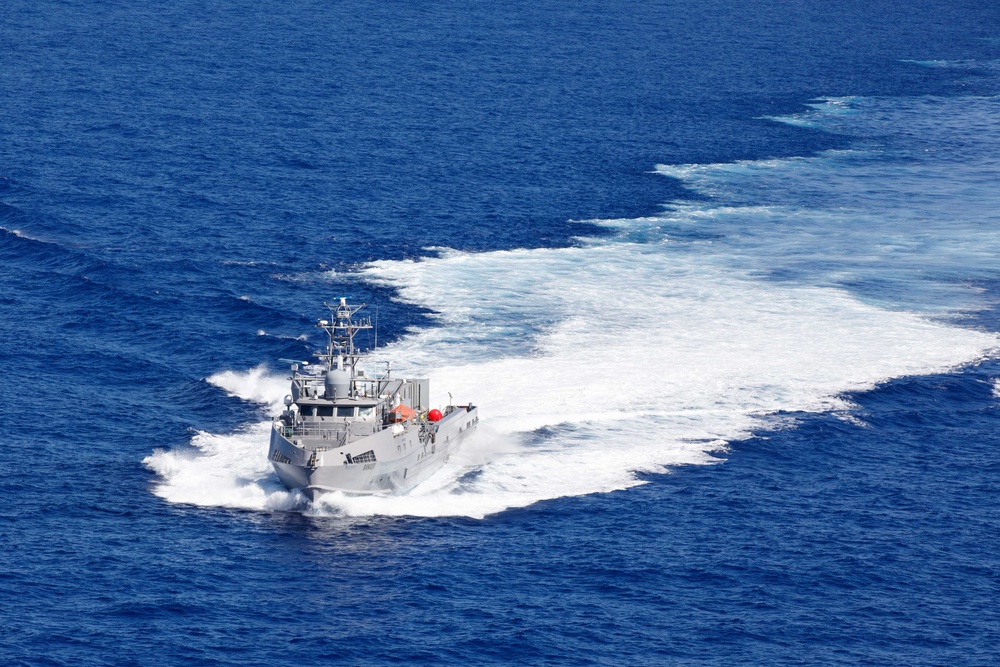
(335, 437)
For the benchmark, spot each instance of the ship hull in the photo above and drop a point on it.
(403, 458)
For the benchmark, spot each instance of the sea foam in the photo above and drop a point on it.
(794, 282)
(624, 363)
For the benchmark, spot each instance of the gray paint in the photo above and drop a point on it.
(341, 419)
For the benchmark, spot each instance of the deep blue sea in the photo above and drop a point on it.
(723, 278)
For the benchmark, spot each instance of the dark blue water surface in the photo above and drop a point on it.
(175, 179)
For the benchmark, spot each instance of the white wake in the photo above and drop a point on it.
(595, 364)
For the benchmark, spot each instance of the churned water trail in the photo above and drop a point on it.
(791, 283)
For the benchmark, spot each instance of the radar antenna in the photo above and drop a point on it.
(341, 329)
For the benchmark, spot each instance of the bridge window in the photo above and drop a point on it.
(306, 410)
(324, 410)
(345, 412)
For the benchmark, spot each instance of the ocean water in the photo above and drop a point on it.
(724, 280)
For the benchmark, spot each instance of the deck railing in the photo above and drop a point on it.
(337, 437)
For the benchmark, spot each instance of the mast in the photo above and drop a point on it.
(341, 329)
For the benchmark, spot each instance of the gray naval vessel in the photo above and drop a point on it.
(342, 430)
